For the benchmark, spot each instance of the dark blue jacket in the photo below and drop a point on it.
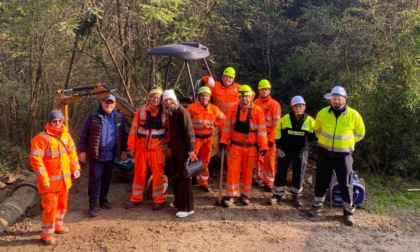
(103, 136)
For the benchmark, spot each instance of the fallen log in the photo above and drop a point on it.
(13, 207)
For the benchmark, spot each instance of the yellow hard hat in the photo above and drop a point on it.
(230, 71)
(245, 90)
(156, 90)
(264, 84)
(204, 89)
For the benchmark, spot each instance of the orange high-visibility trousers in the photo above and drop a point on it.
(202, 149)
(241, 161)
(55, 207)
(155, 159)
(266, 167)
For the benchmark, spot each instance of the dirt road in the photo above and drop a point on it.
(257, 227)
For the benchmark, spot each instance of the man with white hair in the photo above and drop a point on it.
(338, 128)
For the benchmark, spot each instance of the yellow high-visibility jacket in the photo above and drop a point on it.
(53, 160)
(339, 134)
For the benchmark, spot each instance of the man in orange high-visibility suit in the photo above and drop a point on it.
(147, 144)
(245, 131)
(266, 166)
(205, 116)
(54, 160)
(224, 94)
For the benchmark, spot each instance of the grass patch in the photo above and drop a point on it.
(389, 195)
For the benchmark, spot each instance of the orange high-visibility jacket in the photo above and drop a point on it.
(257, 134)
(144, 138)
(225, 97)
(53, 159)
(272, 111)
(205, 118)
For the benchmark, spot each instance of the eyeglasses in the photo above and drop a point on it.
(57, 121)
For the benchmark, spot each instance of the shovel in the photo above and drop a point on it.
(219, 201)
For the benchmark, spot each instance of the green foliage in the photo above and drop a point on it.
(13, 158)
(389, 195)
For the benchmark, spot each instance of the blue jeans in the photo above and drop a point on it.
(100, 173)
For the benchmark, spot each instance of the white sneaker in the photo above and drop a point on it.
(181, 214)
(172, 205)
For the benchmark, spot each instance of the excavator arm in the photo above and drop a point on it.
(64, 97)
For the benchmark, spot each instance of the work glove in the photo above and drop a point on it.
(222, 146)
(46, 185)
(270, 144)
(76, 174)
(263, 152)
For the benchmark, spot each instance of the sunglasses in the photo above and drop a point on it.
(57, 121)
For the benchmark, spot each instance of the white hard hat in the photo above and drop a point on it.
(297, 100)
(337, 90)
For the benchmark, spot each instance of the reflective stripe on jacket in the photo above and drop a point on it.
(257, 134)
(225, 97)
(293, 134)
(143, 138)
(272, 111)
(339, 134)
(53, 160)
(205, 118)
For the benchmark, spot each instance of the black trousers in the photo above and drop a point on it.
(299, 162)
(100, 173)
(343, 167)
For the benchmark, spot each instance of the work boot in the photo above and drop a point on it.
(206, 188)
(93, 211)
(296, 203)
(131, 204)
(256, 182)
(275, 199)
(228, 202)
(313, 212)
(157, 206)
(62, 230)
(245, 201)
(349, 220)
(104, 203)
(50, 240)
(268, 188)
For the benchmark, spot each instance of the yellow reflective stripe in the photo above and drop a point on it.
(359, 135)
(262, 133)
(40, 171)
(153, 131)
(142, 111)
(59, 177)
(74, 163)
(60, 216)
(268, 118)
(71, 148)
(232, 186)
(132, 132)
(228, 123)
(47, 225)
(158, 187)
(336, 149)
(276, 117)
(59, 223)
(232, 194)
(137, 186)
(295, 133)
(135, 124)
(37, 152)
(227, 130)
(246, 186)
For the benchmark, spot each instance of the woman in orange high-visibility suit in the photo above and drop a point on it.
(245, 131)
(54, 160)
(205, 116)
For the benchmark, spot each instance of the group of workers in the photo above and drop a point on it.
(252, 132)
